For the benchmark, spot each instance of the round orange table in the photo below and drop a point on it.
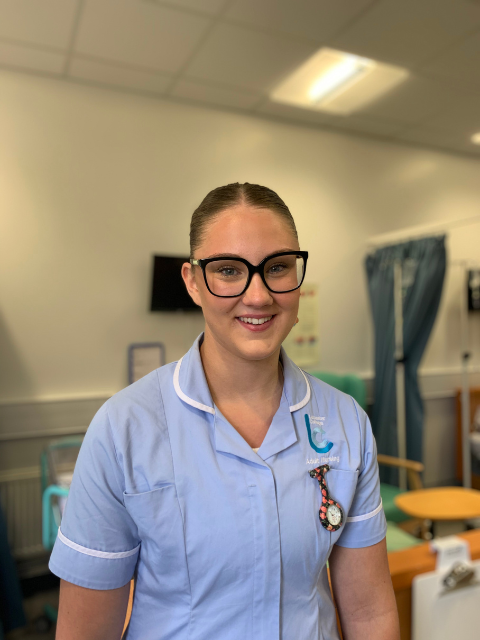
(443, 503)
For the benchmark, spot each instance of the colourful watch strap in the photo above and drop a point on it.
(327, 518)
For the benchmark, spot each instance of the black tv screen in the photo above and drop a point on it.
(168, 289)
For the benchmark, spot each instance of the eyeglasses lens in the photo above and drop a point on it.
(284, 273)
(229, 277)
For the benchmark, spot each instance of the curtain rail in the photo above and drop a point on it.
(421, 231)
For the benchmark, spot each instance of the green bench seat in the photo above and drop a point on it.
(388, 493)
(397, 539)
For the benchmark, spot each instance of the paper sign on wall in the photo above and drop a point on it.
(303, 342)
(143, 358)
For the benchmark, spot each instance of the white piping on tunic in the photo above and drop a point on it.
(303, 402)
(204, 407)
(97, 554)
(367, 516)
(182, 396)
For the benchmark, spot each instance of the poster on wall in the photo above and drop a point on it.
(303, 342)
(143, 358)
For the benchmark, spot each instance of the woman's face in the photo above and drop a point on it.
(253, 234)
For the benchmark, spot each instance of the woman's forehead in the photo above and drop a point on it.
(245, 231)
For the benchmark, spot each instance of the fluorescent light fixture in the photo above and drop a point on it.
(338, 75)
(337, 82)
(475, 138)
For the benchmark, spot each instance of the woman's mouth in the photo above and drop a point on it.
(256, 323)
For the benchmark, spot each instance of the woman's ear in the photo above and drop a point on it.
(188, 275)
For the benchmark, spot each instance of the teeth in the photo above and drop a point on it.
(255, 320)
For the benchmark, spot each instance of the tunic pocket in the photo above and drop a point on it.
(160, 529)
(157, 516)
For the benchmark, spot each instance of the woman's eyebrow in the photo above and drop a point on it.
(223, 255)
(236, 255)
(289, 249)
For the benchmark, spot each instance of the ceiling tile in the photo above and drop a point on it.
(47, 23)
(361, 124)
(436, 137)
(460, 62)
(470, 148)
(209, 94)
(414, 100)
(408, 32)
(440, 139)
(114, 75)
(31, 58)
(295, 114)
(339, 123)
(463, 117)
(212, 7)
(247, 59)
(139, 33)
(313, 19)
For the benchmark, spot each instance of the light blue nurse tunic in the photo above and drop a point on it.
(224, 543)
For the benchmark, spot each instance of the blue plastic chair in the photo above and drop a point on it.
(51, 494)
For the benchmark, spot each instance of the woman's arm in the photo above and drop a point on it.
(363, 593)
(88, 614)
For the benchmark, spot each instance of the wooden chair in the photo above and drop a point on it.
(389, 492)
(130, 605)
(414, 469)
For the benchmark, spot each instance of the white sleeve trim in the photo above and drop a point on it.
(367, 516)
(96, 554)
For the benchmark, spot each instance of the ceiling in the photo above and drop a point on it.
(231, 53)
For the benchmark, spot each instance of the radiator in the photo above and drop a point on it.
(21, 500)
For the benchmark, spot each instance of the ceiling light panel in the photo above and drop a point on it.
(337, 82)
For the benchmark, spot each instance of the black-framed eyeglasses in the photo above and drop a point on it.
(230, 277)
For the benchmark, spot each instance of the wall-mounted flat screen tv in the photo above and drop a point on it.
(168, 289)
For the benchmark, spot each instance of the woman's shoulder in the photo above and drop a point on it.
(331, 394)
(140, 405)
(145, 390)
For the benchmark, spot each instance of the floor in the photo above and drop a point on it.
(34, 610)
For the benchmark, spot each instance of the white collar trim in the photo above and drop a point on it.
(185, 398)
(303, 402)
(204, 407)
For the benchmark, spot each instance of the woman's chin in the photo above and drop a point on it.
(259, 347)
(247, 344)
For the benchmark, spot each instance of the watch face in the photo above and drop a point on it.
(334, 515)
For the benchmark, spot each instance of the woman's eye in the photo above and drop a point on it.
(275, 269)
(228, 271)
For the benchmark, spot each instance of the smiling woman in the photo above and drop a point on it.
(198, 480)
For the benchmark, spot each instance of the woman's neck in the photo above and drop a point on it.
(230, 376)
(247, 392)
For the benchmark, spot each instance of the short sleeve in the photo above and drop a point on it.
(97, 545)
(366, 524)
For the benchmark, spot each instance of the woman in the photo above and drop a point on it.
(210, 480)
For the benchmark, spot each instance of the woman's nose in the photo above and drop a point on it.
(257, 294)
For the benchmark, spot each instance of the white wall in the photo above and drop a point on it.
(93, 182)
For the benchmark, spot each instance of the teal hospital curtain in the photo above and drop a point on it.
(423, 271)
